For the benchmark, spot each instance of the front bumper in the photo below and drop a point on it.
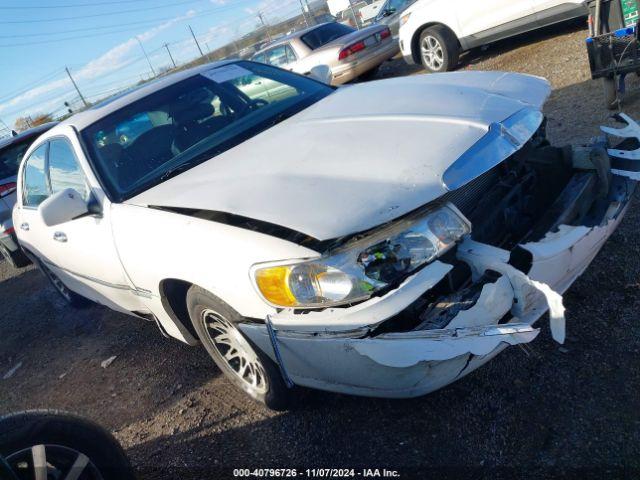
(340, 350)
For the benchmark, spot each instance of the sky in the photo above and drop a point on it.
(99, 41)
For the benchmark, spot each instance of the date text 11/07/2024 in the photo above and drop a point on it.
(316, 473)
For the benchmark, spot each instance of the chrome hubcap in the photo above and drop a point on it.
(432, 53)
(42, 462)
(236, 352)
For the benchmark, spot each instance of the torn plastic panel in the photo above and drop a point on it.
(626, 162)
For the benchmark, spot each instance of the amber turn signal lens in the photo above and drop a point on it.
(274, 286)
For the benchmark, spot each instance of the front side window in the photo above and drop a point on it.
(10, 158)
(64, 170)
(35, 190)
(192, 121)
(325, 34)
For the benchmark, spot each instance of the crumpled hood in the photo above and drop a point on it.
(361, 157)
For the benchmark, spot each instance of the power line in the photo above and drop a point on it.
(76, 5)
(121, 12)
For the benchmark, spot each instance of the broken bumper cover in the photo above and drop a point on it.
(339, 350)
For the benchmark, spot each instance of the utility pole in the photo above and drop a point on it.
(76, 87)
(166, 45)
(196, 40)
(355, 17)
(264, 24)
(147, 57)
(304, 15)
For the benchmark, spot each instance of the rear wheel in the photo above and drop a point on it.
(439, 50)
(245, 365)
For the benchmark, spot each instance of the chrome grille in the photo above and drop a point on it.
(468, 196)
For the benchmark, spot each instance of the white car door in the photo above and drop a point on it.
(489, 18)
(550, 11)
(82, 251)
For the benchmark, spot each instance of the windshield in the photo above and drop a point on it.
(324, 34)
(10, 158)
(180, 126)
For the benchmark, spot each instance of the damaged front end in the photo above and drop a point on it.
(539, 216)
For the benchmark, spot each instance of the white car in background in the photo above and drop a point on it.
(434, 32)
(302, 243)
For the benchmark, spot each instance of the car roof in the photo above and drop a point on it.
(289, 37)
(88, 117)
(27, 134)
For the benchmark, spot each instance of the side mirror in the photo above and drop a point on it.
(62, 207)
(389, 11)
(322, 73)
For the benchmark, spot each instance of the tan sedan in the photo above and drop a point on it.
(348, 52)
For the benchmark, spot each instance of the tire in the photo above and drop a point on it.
(16, 259)
(611, 98)
(69, 296)
(251, 370)
(438, 49)
(63, 438)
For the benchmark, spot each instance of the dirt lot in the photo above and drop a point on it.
(540, 412)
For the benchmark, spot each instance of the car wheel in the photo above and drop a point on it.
(16, 259)
(49, 444)
(245, 365)
(72, 298)
(439, 49)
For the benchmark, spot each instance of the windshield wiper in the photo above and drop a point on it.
(183, 167)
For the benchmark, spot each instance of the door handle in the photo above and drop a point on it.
(60, 237)
(24, 226)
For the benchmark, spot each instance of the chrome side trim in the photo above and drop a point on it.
(91, 279)
(503, 140)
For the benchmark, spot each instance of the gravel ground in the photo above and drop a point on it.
(540, 412)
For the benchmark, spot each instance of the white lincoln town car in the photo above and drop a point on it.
(381, 239)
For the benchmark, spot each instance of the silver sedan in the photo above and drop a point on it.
(348, 52)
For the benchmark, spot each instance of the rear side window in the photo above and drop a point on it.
(10, 158)
(280, 56)
(325, 34)
(64, 170)
(35, 190)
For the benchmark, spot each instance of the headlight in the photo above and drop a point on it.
(404, 19)
(358, 269)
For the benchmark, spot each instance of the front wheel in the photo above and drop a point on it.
(53, 445)
(245, 365)
(439, 50)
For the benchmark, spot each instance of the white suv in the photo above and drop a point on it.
(435, 32)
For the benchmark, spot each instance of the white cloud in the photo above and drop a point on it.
(115, 58)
